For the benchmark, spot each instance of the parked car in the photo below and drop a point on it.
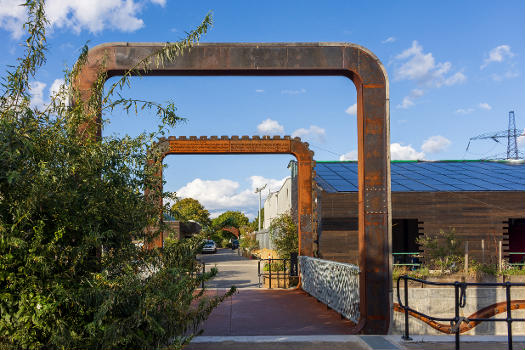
(209, 247)
(235, 244)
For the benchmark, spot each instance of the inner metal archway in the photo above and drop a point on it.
(306, 59)
(255, 145)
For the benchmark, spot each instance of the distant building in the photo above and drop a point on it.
(483, 201)
(278, 203)
(181, 230)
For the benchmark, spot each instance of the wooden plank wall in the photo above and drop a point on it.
(473, 215)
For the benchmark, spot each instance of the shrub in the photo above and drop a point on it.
(72, 208)
(442, 251)
(283, 232)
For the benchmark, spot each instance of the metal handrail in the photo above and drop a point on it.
(522, 263)
(459, 302)
(269, 274)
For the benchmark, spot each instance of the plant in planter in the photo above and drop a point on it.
(442, 251)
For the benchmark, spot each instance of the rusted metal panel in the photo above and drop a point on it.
(260, 59)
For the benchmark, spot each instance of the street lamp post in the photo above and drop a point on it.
(259, 190)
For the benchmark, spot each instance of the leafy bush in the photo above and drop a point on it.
(248, 241)
(441, 251)
(283, 232)
(72, 211)
(479, 269)
(421, 273)
(276, 266)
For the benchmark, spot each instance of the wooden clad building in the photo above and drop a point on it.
(483, 201)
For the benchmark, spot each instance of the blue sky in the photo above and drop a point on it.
(455, 67)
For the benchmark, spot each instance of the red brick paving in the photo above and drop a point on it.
(274, 312)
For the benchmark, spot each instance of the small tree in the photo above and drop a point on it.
(442, 250)
(283, 232)
(187, 209)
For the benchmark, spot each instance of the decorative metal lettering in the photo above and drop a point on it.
(332, 283)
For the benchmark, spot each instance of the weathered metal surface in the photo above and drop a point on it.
(307, 59)
(333, 283)
(257, 145)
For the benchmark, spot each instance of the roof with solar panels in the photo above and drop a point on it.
(429, 176)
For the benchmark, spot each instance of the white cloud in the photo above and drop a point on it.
(12, 17)
(37, 93)
(497, 54)
(485, 105)
(421, 67)
(314, 132)
(352, 110)
(56, 87)
(507, 75)
(464, 110)
(435, 144)
(408, 101)
(159, 2)
(224, 194)
(270, 127)
(93, 15)
(259, 90)
(457, 78)
(293, 92)
(390, 39)
(400, 152)
(352, 155)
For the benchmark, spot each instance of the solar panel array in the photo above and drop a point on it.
(447, 176)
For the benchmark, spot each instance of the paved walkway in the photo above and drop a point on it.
(253, 312)
(351, 342)
(233, 269)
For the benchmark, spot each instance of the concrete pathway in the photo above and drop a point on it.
(233, 269)
(351, 342)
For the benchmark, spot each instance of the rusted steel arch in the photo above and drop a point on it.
(232, 230)
(256, 145)
(305, 59)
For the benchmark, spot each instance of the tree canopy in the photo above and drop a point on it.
(187, 209)
(230, 218)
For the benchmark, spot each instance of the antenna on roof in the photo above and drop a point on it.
(511, 134)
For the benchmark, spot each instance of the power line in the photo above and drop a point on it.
(511, 134)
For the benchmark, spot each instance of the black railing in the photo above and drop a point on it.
(285, 268)
(410, 259)
(459, 302)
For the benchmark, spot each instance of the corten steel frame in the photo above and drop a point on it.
(301, 59)
(255, 145)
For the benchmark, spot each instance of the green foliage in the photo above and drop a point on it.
(283, 232)
(479, 269)
(277, 266)
(72, 208)
(248, 240)
(442, 251)
(187, 209)
(230, 218)
(421, 273)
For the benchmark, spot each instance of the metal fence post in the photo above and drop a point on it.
(270, 271)
(406, 336)
(259, 271)
(509, 318)
(456, 312)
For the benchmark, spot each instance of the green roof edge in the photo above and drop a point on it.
(421, 161)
